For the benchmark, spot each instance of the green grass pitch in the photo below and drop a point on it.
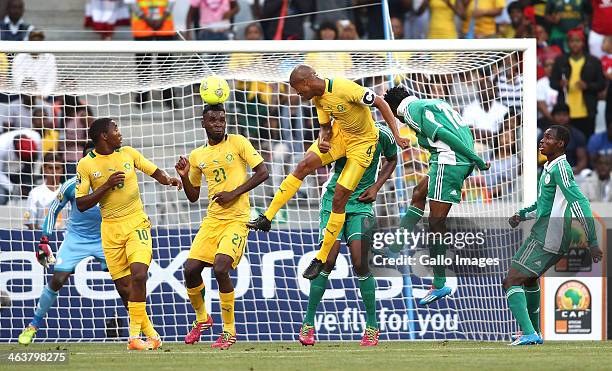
(421, 356)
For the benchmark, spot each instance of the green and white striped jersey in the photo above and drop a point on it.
(559, 198)
(426, 117)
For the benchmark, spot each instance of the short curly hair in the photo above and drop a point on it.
(395, 96)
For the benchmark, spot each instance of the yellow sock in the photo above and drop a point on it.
(137, 314)
(147, 328)
(333, 228)
(227, 311)
(285, 192)
(196, 296)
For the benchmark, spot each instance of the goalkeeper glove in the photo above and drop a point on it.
(43, 252)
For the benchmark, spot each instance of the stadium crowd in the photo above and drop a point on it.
(574, 55)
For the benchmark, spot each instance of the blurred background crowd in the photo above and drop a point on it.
(574, 56)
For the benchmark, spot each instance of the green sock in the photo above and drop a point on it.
(317, 289)
(518, 306)
(438, 249)
(532, 295)
(408, 221)
(367, 287)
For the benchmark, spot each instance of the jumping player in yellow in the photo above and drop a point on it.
(109, 172)
(222, 237)
(347, 130)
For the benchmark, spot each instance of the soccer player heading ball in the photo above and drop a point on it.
(440, 130)
(222, 237)
(559, 198)
(347, 130)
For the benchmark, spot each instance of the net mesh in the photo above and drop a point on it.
(155, 100)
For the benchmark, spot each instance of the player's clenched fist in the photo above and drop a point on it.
(182, 166)
(116, 178)
(324, 146)
(403, 142)
(514, 220)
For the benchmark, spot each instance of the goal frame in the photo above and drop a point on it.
(526, 46)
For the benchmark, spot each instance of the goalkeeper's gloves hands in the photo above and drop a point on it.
(44, 255)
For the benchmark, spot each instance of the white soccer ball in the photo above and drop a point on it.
(214, 90)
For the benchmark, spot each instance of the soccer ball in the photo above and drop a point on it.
(214, 90)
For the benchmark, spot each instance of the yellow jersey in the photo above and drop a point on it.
(348, 104)
(123, 200)
(224, 167)
(484, 26)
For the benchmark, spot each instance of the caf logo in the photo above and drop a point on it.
(547, 179)
(127, 166)
(229, 157)
(340, 108)
(573, 308)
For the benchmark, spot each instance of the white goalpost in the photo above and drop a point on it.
(151, 90)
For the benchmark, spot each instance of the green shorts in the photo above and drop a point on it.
(351, 230)
(446, 182)
(532, 260)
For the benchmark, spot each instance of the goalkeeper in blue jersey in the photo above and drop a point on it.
(82, 240)
(559, 198)
(440, 130)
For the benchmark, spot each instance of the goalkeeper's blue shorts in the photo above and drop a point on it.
(75, 248)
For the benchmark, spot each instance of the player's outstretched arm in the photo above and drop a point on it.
(182, 168)
(163, 178)
(65, 194)
(369, 195)
(88, 201)
(389, 117)
(260, 175)
(458, 146)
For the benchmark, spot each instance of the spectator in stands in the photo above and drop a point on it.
(600, 144)
(579, 78)
(14, 28)
(606, 62)
(503, 174)
(77, 120)
(347, 30)
(597, 185)
(486, 113)
(19, 151)
(38, 67)
(326, 15)
(41, 196)
(480, 18)
(279, 27)
(442, 14)
(17, 114)
(520, 26)
(546, 96)
(151, 22)
(564, 16)
(397, 28)
(43, 125)
(329, 62)
(104, 15)
(214, 19)
(509, 81)
(544, 51)
(601, 26)
(575, 152)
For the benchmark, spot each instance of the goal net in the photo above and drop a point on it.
(151, 90)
